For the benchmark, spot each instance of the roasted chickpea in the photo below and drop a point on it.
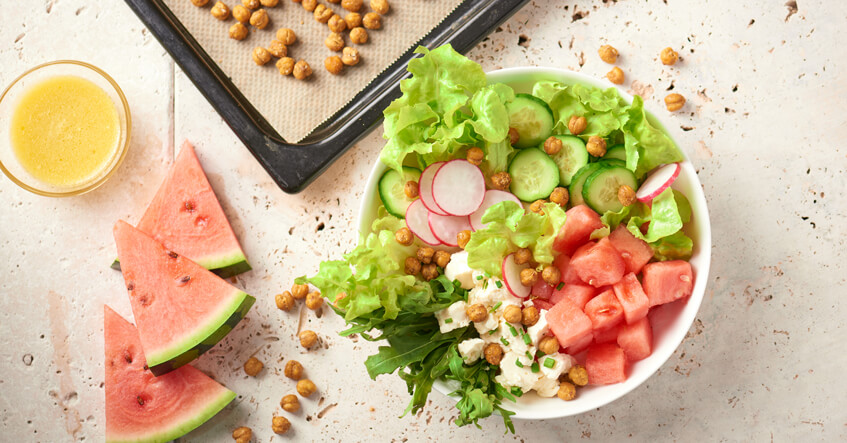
(284, 301)
(537, 206)
(251, 4)
(380, 6)
(335, 42)
(253, 366)
(559, 196)
(350, 56)
(412, 266)
(442, 258)
(512, 314)
(306, 387)
(668, 56)
(608, 54)
(261, 55)
(596, 146)
(199, 4)
(429, 272)
(285, 65)
(309, 5)
(567, 391)
(359, 35)
(241, 13)
(220, 11)
(425, 254)
(529, 276)
(334, 1)
(514, 136)
(577, 124)
(299, 292)
(314, 300)
(530, 316)
(336, 24)
(626, 195)
(674, 102)
(290, 403)
(269, 3)
(462, 238)
(352, 5)
(308, 338)
(238, 31)
(475, 156)
(548, 345)
(280, 425)
(410, 188)
(353, 20)
(322, 13)
(286, 36)
(578, 375)
(293, 370)
(493, 353)
(551, 275)
(523, 256)
(372, 20)
(552, 145)
(333, 64)
(242, 434)
(277, 49)
(404, 236)
(302, 70)
(501, 180)
(615, 76)
(477, 312)
(260, 19)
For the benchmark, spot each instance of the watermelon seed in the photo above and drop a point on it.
(130, 286)
(189, 206)
(139, 400)
(685, 278)
(172, 254)
(183, 280)
(128, 357)
(146, 367)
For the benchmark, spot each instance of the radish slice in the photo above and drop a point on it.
(657, 182)
(492, 197)
(417, 222)
(458, 187)
(447, 227)
(425, 188)
(512, 277)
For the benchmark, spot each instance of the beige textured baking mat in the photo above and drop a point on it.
(294, 108)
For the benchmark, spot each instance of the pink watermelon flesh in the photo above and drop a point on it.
(634, 251)
(631, 296)
(186, 217)
(540, 303)
(577, 293)
(142, 407)
(608, 335)
(181, 309)
(568, 323)
(604, 311)
(599, 265)
(569, 275)
(605, 364)
(636, 340)
(541, 289)
(580, 345)
(667, 281)
(581, 221)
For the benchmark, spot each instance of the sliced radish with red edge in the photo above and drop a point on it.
(492, 197)
(425, 188)
(657, 182)
(458, 187)
(512, 277)
(447, 227)
(417, 220)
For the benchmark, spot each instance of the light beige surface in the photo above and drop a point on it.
(764, 126)
(294, 108)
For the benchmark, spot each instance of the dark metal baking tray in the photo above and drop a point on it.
(294, 166)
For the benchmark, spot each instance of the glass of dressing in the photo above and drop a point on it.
(64, 128)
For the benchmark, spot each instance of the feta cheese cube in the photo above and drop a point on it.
(546, 387)
(539, 329)
(490, 323)
(453, 317)
(457, 269)
(489, 295)
(471, 349)
(561, 364)
(512, 374)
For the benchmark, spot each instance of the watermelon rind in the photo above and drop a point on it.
(204, 337)
(225, 266)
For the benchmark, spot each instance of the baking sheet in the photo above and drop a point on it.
(292, 107)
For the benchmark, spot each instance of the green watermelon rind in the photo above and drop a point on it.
(177, 431)
(186, 350)
(224, 266)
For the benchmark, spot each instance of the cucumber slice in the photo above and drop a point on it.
(600, 191)
(534, 174)
(391, 190)
(617, 152)
(575, 188)
(571, 158)
(532, 118)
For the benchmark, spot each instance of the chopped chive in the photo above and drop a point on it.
(528, 355)
(491, 332)
(496, 306)
(516, 391)
(504, 341)
(560, 286)
(498, 283)
(518, 363)
(549, 362)
(513, 330)
(526, 339)
(539, 354)
(448, 321)
(534, 368)
(479, 277)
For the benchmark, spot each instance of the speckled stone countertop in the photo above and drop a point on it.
(765, 126)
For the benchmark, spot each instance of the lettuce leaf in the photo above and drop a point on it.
(646, 146)
(663, 216)
(677, 246)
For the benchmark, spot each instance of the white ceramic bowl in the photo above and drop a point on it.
(670, 322)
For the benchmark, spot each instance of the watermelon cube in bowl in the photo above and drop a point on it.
(668, 281)
(599, 265)
(605, 364)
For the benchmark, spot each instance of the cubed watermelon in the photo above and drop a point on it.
(568, 323)
(581, 221)
(667, 281)
(604, 311)
(632, 298)
(581, 345)
(634, 251)
(636, 340)
(605, 364)
(561, 261)
(608, 335)
(577, 293)
(599, 265)
(542, 290)
(542, 304)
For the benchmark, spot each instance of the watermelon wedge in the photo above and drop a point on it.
(143, 408)
(181, 309)
(186, 217)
